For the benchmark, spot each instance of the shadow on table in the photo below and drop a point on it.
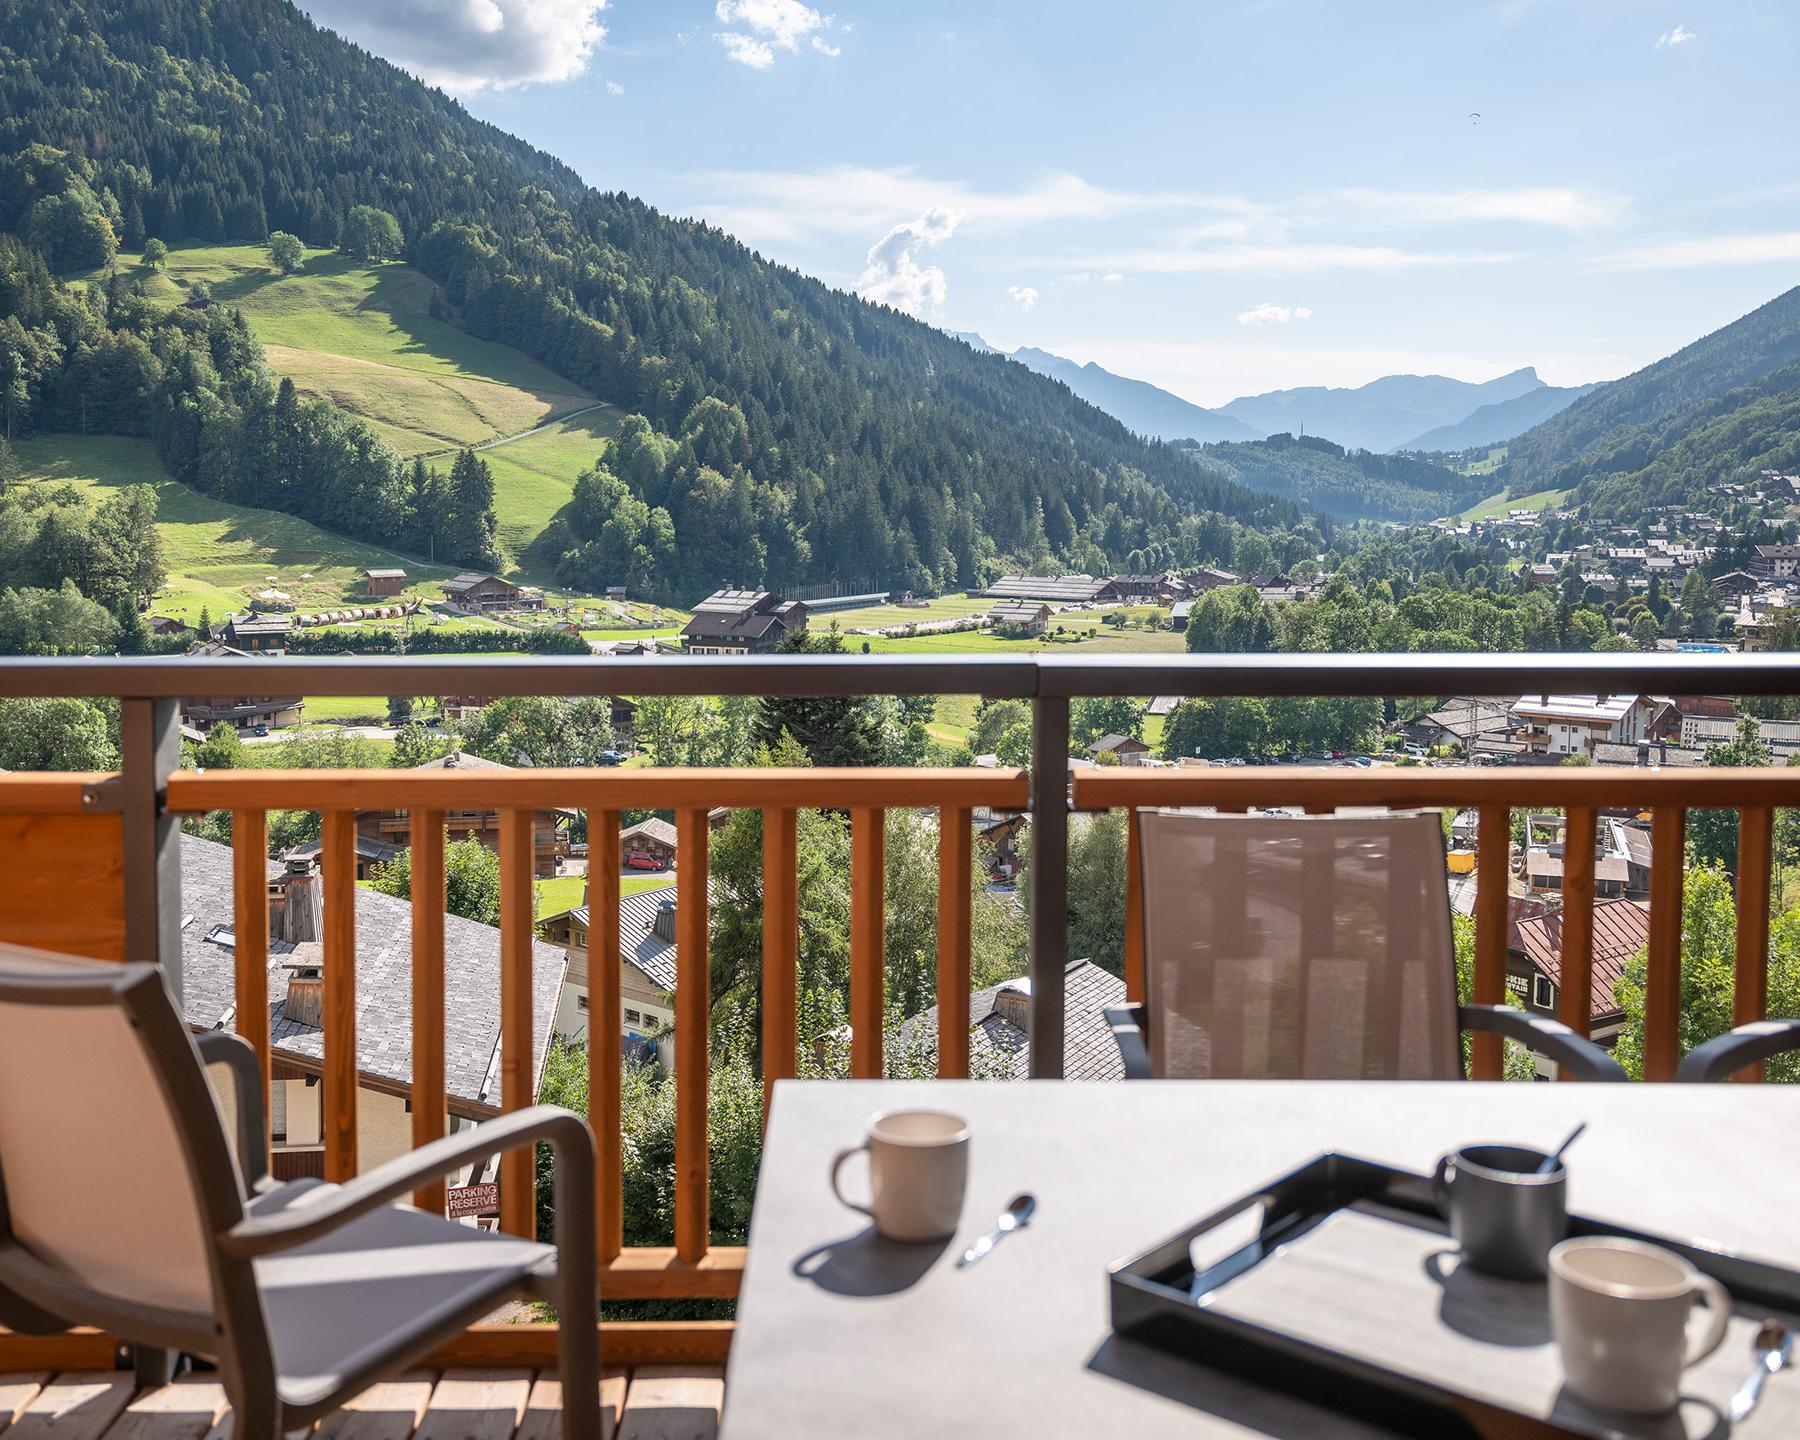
(867, 1264)
(1213, 1392)
(1494, 1311)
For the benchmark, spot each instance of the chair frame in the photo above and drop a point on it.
(1724, 1055)
(35, 1298)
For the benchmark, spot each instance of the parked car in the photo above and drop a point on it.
(259, 729)
(609, 757)
(643, 860)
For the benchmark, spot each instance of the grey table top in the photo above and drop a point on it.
(842, 1334)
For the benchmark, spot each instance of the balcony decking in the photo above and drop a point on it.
(649, 1402)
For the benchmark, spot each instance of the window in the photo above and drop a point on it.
(581, 1002)
(632, 1017)
(1543, 993)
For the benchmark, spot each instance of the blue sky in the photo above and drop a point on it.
(1220, 198)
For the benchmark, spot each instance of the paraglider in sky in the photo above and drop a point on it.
(1474, 117)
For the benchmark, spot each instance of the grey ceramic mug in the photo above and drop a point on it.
(1503, 1215)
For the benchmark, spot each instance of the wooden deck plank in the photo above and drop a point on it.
(18, 1391)
(185, 1410)
(477, 1405)
(77, 1406)
(673, 1402)
(543, 1412)
(390, 1410)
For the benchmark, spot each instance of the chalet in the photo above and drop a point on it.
(1126, 749)
(485, 594)
(1459, 722)
(1556, 725)
(161, 625)
(1776, 562)
(242, 712)
(256, 634)
(472, 1060)
(1022, 617)
(742, 622)
(1621, 931)
(1161, 589)
(1057, 589)
(1180, 613)
(648, 845)
(394, 827)
(371, 854)
(646, 966)
(1209, 579)
(383, 582)
(1737, 584)
(1000, 1027)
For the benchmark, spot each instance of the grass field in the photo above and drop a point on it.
(565, 892)
(1496, 506)
(217, 554)
(363, 337)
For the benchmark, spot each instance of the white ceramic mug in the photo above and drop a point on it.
(918, 1168)
(1619, 1310)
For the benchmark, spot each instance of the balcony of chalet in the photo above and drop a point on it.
(354, 999)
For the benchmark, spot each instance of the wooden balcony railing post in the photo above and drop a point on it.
(428, 1020)
(518, 1183)
(955, 907)
(781, 948)
(1134, 907)
(693, 1006)
(338, 862)
(1575, 1005)
(605, 1030)
(868, 939)
(1049, 881)
(1756, 858)
(1493, 856)
(1662, 980)
(250, 931)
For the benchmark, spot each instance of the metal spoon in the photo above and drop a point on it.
(1552, 1161)
(1774, 1346)
(1015, 1216)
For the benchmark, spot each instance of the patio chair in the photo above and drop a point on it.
(1309, 947)
(1724, 1055)
(123, 1206)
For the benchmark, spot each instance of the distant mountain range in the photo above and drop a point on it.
(1396, 412)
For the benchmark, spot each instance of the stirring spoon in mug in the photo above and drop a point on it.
(1015, 1216)
(1774, 1346)
(1553, 1160)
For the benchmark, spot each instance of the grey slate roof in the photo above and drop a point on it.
(655, 828)
(383, 984)
(638, 941)
(1089, 1050)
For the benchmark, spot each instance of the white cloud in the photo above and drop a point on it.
(1024, 294)
(1267, 314)
(470, 45)
(1554, 206)
(893, 275)
(1282, 258)
(1111, 277)
(1680, 35)
(1775, 247)
(771, 25)
(613, 87)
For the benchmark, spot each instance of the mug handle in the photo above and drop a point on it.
(1440, 1186)
(837, 1165)
(1718, 1304)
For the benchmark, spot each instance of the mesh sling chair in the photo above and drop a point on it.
(1309, 947)
(122, 1206)
(1724, 1055)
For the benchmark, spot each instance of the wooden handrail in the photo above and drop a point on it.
(338, 864)
(605, 1033)
(781, 948)
(955, 923)
(250, 932)
(428, 1017)
(1576, 1009)
(1755, 866)
(518, 1031)
(868, 949)
(693, 1059)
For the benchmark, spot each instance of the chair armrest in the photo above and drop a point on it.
(1725, 1055)
(566, 1131)
(1551, 1038)
(1128, 1024)
(237, 1056)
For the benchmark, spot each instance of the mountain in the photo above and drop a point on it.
(1499, 422)
(1606, 430)
(1140, 406)
(1381, 415)
(974, 342)
(775, 431)
(1346, 484)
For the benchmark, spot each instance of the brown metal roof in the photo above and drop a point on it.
(1621, 930)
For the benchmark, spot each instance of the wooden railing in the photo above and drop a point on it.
(1494, 794)
(692, 1267)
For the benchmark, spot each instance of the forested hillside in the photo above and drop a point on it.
(1347, 484)
(800, 433)
(1588, 435)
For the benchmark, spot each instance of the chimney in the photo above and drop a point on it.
(305, 1001)
(664, 924)
(1012, 1003)
(302, 914)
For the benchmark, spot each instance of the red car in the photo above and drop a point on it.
(643, 860)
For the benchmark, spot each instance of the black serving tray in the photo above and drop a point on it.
(1373, 1318)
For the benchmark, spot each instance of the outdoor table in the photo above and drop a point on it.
(841, 1334)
